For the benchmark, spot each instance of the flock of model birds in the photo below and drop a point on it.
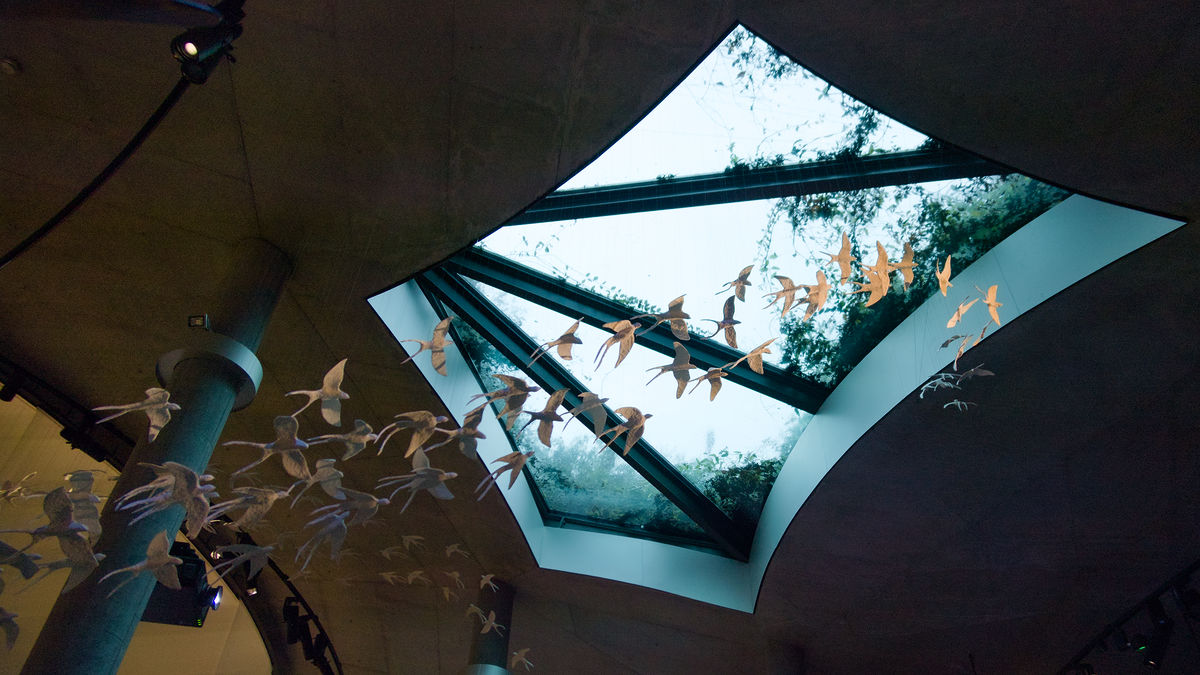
(73, 515)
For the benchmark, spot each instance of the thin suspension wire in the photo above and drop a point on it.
(155, 118)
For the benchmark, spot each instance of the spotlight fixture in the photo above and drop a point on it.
(198, 50)
(198, 321)
(190, 604)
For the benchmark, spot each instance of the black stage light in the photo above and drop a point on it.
(198, 50)
(189, 605)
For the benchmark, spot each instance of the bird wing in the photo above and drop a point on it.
(545, 429)
(295, 464)
(77, 549)
(159, 549)
(626, 341)
(159, 416)
(420, 461)
(58, 508)
(11, 630)
(716, 386)
(437, 357)
(332, 382)
(439, 334)
(441, 492)
(331, 410)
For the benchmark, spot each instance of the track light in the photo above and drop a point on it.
(198, 50)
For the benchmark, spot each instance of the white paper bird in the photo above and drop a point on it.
(332, 530)
(330, 395)
(234, 555)
(422, 423)
(489, 624)
(156, 405)
(753, 358)
(10, 492)
(726, 323)
(83, 502)
(592, 406)
(78, 573)
(739, 284)
(256, 501)
(456, 548)
(514, 393)
(674, 316)
(905, 266)
(485, 581)
(328, 477)
(354, 441)
(943, 277)
(423, 477)
(289, 448)
(173, 483)
(564, 343)
(518, 658)
(360, 506)
(9, 624)
(989, 299)
(875, 285)
(679, 369)
(818, 293)
(71, 535)
(787, 293)
(960, 312)
(713, 377)
(624, 334)
(436, 346)
(513, 462)
(633, 427)
(843, 259)
(466, 436)
(158, 562)
(547, 416)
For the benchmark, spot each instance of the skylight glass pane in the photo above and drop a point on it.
(731, 448)
(574, 476)
(744, 102)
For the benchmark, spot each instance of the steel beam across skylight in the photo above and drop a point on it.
(478, 312)
(596, 310)
(740, 185)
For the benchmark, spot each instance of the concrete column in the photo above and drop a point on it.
(489, 651)
(87, 631)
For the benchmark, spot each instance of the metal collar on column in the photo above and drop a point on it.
(234, 357)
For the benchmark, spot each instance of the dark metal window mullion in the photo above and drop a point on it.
(470, 306)
(596, 310)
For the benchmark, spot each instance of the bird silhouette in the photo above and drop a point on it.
(78, 572)
(422, 423)
(513, 462)
(675, 317)
(9, 624)
(472, 610)
(713, 377)
(753, 358)
(456, 577)
(935, 384)
(411, 541)
(563, 342)
(358, 506)
(328, 477)
(289, 448)
(962, 349)
(254, 557)
(158, 562)
(514, 392)
(679, 369)
(943, 277)
(977, 371)
(436, 346)
(961, 406)
(353, 441)
(624, 333)
(156, 405)
(843, 259)
(485, 581)
(547, 416)
(739, 284)
(330, 395)
(83, 502)
(391, 577)
(423, 477)
(787, 294)
(456, 548)
(415, 576)
(727, 323)
(591, 405)
(633, 427)
(466, 436)
(960, 312)
(10, 492)
(990, 300)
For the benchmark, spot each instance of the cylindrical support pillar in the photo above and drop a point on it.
(489, 651)
(88, 630)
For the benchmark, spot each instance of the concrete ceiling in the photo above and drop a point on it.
(370, 140)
